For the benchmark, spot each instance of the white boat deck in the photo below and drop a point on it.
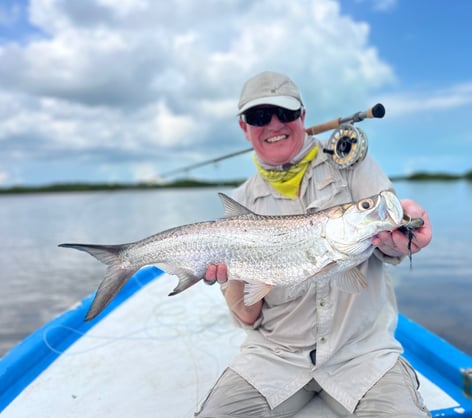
(153, 356)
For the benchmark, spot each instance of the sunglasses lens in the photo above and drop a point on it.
(258, 116)
(286, 115)
(261, 116)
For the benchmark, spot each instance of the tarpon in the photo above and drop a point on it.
(264, 251)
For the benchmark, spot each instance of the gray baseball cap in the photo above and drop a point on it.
(270, 88)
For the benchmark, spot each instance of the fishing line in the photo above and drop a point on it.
(85, 335)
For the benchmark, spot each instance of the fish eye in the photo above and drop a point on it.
(366, 204)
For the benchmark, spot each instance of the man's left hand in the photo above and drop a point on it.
(395, 243)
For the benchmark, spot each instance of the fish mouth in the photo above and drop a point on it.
(393, 206)
(274, 139)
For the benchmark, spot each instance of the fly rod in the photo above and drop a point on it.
(201, 164)
(377, 111)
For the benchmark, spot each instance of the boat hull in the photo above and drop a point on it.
(147, 353)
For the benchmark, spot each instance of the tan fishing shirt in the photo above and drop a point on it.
(353, 334)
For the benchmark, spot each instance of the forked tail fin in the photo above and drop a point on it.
(115, 277)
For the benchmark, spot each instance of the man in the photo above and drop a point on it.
(313, 340)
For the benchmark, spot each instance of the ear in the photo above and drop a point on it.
(302, 116)
(244, 128)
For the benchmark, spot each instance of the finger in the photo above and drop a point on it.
(400, 242)
(210, 275)
(382, 239)
(412, 209)
(221, 273)
(421, 236)
(424, 235)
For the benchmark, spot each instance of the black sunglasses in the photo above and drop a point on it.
(261, 116)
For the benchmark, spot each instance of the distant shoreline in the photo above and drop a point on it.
(189, 183)
(90, 187)
(425, 176)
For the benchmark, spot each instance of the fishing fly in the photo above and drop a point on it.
(410, 225)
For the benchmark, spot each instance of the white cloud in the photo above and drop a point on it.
(146, 172)
(3, 177)
(171, 129)
(384, 5)
(441, 99)
(136, 80)
(380, 5)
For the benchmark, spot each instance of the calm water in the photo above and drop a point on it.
(38, 280)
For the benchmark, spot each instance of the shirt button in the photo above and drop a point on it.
(322, 340)
(322, 303)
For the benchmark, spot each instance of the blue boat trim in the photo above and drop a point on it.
(20, 366)
(444, 365)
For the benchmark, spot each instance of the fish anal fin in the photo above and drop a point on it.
(254, 292)
(350, 281)
(186, 280)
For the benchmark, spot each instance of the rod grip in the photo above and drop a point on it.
(323, 127)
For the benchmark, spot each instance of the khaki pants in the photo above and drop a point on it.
(394, 395)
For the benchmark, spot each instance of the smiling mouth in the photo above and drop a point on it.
(275, 139)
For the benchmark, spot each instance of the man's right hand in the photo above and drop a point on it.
(216, 273)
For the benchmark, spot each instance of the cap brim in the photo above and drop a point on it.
(286, 102)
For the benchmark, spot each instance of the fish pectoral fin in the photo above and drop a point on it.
(254, 292)
(351, 247)
(351, 281)
(187, 279)
(324, 270)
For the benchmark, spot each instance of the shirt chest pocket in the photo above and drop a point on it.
(329, 189)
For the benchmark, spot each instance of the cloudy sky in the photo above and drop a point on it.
(106, 90)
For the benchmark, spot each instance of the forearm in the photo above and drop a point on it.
(233, 291)
(234, 295)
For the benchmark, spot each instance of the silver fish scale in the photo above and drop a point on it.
(273, 250)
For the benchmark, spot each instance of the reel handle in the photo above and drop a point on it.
(377, 111)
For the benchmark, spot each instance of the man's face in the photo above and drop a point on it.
(277, 142)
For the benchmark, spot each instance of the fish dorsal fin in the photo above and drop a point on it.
(233, 208)
(350, 281)
(253, 292)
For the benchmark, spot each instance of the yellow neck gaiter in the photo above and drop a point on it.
(287, 182)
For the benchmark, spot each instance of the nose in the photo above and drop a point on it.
(275, 121)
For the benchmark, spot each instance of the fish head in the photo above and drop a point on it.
(351, 227)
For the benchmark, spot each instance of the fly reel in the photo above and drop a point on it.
(347, 146)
